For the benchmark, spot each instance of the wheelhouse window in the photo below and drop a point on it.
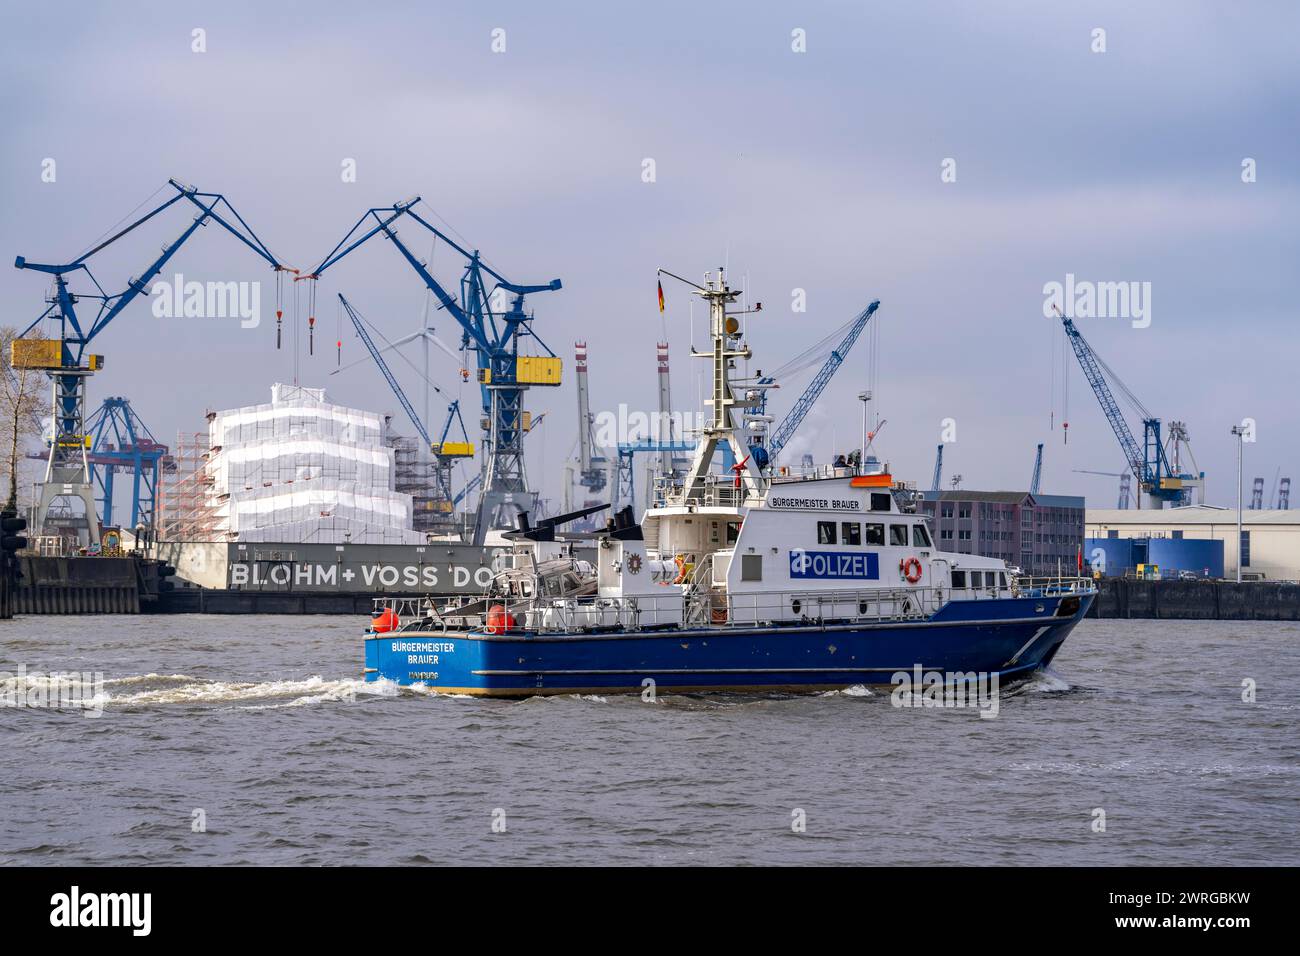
(898, 534)
(851, 532)
(920, 537)
(825, 532)
(875, 534)
(880, 500)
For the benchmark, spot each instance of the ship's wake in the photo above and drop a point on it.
(91, 692)
(254, 695)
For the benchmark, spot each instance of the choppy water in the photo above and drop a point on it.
(261, 723)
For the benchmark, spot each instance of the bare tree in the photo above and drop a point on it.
(22, 407)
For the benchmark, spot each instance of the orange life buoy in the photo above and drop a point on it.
(911, 569)
(499, 620)
(385, 622)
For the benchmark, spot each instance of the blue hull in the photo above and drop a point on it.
(1011, 638)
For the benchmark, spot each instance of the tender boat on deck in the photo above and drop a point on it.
(748, 581)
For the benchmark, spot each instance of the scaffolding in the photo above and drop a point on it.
(186, 514)
(296, 469)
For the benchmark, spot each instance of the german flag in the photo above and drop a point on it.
(660, 284)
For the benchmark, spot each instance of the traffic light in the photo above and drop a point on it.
(11, 541)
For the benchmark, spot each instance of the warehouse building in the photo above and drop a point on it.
(1167, 558)
(1270, 541)
(1042, 534)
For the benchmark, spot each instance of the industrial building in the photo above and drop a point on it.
(1270, 545)
(1042, 534)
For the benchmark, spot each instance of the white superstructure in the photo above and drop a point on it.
(750, 548)
(304, 469)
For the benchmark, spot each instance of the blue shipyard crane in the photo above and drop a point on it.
(494, 335)
(623, 490)
(64, 357)
(120, 441)
(445, 450)
(1149, 461)
(1038, 470)
(766, 452)
(938, 469)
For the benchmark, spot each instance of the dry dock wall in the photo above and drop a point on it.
(1197, 600)
(77, 586)
(201, 601)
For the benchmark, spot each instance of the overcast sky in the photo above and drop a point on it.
(818, 170)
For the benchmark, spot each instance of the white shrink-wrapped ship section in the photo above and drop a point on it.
(303, 470)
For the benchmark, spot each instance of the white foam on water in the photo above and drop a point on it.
(348, 692)
(146, 678)
(425, 690)
(1047, 681)
(184, 690)
(54, 691)
(591, 698)
(22, 683)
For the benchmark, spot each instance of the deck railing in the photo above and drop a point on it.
(707, 607)
(1053, 584)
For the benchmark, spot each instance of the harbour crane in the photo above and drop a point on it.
(65, 359)
(120, 441)
(624, 486)
(1257, 495)
(494, 334)
(938, 468)
(765, 453)
(445, 452)
(1149, 462)
(1284, 495)
(1038, 470)
(592, 467)
(448, 450)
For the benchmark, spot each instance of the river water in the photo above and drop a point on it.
(251, 740)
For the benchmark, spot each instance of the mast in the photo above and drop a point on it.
(724, 329)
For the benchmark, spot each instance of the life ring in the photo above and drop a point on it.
(499, 620)
(911, 569)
